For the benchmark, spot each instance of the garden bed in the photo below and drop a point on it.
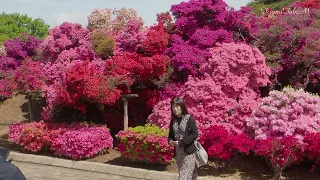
(241, 167)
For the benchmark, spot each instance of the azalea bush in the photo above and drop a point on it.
(35, 136)
(22, 47)
(280, 153)
(290, 44)
(82, 142)
(110, 20)
(145, 143)
(8, 85)
(227, 93)
(76, 141)
(283, 113)
(201, 24)
(30, 78)
(65, 43)
(312, 148)
(219, 143)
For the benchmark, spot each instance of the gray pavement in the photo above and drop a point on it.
(43, 172)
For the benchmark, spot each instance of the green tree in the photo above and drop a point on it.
(12, 25)
(259, 6)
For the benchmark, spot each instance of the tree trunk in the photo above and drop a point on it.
(125, 124)
(30, 109)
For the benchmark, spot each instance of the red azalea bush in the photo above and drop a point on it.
(280, 152)
(218, 142)
(145, 143)
(312, 148)
(82, 141)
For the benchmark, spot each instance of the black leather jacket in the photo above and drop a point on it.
(190, 136)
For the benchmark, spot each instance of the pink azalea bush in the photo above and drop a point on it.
(218, 142)
(82, 141)
(35, 136)
(66, 42)
(161, 114)
(145, 143)
(30, 78)
(76, 141)
(283, 113)
(229, 90)
(110, 20)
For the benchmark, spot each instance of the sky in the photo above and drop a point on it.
(55, 12)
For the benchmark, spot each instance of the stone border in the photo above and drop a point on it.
(96, 167)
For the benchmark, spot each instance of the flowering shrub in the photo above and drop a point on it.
(291, 45)
(312, 148)
(102, 44)
(76, 141)
(218, 142)
(280, 152)
(7, 84)
(199, 25)
(156, 41)
(285, 113)
(145, 143)
(110, 20)
(35, 136)
(23, 46)
(131, 37)
(30, 78)
(66, 42)
(161, 114)
(229, 90)
(82, 141)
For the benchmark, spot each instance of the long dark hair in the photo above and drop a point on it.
(180, 102)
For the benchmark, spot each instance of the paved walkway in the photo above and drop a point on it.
(43, 172)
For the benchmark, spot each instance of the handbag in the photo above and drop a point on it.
(201, 155)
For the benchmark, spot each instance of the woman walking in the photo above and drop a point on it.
(183, 132)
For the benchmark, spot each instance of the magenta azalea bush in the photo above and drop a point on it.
(82, 141)
(145, 143)
(76, 141)
(283, 113)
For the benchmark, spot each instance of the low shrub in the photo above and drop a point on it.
(279, 153)
(219, 143)
(82, 141)
(35, 136)
(145, 143)
(76, 141)
(312, 148)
